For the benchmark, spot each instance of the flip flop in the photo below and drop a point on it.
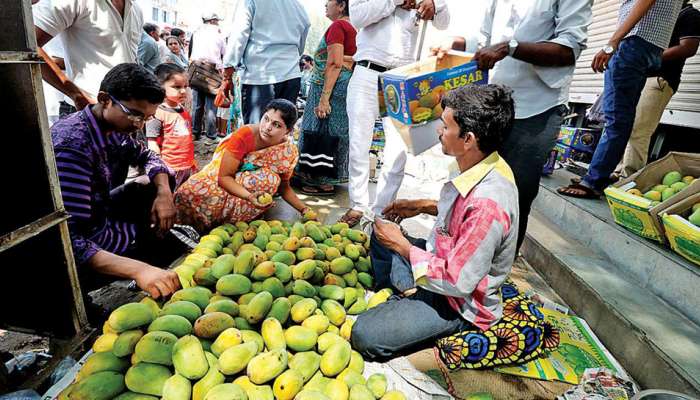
(351, 220)
(587, 193)
(312, 191)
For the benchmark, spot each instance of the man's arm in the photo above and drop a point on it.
(155, 281)
(364, 13)
(684, 50)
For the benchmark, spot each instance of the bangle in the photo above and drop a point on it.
(328, 92)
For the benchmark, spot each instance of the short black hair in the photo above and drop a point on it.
(150, 28)
(286, 108)
(304, 59)
(166, 70)
(346, 10)
(486, 110)
(129, 81)
(176, 32)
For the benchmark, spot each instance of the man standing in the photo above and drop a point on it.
(633, 53)
(207, 46)
(265, 46)
(97, 35)
(659, 89)
(387, 38)
(149, 53)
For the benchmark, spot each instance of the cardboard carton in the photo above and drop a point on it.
(683, 236)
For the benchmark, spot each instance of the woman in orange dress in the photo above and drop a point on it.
(246, 170)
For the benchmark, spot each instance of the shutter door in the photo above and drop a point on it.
(586, 85)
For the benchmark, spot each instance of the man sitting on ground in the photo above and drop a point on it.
(451, 283)
(112, 221)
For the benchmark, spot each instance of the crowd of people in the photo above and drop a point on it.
(123, 76)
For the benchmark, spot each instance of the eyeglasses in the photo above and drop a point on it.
(131, 115)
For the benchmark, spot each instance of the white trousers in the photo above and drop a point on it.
(363, 110)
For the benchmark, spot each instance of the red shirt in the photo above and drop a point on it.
(342, 32)
(171, 128)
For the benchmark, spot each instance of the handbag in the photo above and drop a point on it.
(316, 156)
(204, 76)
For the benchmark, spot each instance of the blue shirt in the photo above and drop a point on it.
(148, 53)
(268, 39)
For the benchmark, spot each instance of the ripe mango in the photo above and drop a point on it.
(250, 336)
(358, 307)
(235, 359)
(227, 306)
(103, 385)
(284, 257)
(308, 394)
(261, 241)
(210, 325)
(212, 378)
(223, 265)
(287, 385)
(379, 298)
(319, 323)
(197, 295)
(267, 366)
(185, 309)
(254, 392)
(326, 340)
(177, 387)
(258, 307)
(305, 253)
(226, 391)
(672, 177)
(244, 263)
(130, 316)
(667, 193)
(357, 363)
(305, 269)
(351, 278)
(300, 338)
(175, 324)
(303, 309)
(263, 271)
(352, 251)
(298, 231)
(337, 390)
(280, 309)
(204, 277)
(316, 234)
(244, 300)
(226, 339)
(360, 392)
(336, 228)
(351, 377)
(341, 265)
(334, 311)
(678, 186)
(317, 383)
(306, 363)
(332, 292)
(356, 236)
(125, 343)
(132, 396)
(156, 348)
(236, 241)
(283, 272)
(233, 285)
(99, 362)
(264, 228)
(377, 384)
(393, 395)
(336, 358)
(303, 288)
(332, 279)
(274, 246)
(257, 287)
(274, 286)
(273, 334)
(147, 378)
(292, 244)
(249, 235)
(688, 179)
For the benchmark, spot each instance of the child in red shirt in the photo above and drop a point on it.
(169, 133)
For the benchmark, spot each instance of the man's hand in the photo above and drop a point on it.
(163, 212)
(601, 59)
(487, 57)
(389, 235)
(408, 4)
(426, 10)
(157, 282)
(401, 209)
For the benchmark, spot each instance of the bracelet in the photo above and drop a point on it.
(326, 92)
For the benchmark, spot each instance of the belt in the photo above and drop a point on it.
(371, 65)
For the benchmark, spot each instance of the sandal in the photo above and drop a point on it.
(614, 177)
(578, 191)
(316, 191)
(351, 217)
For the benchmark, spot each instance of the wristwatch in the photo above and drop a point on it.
(512, 45)
(608, 49)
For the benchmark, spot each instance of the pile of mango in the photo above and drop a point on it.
(694, 217)
(672, 183)
(263, 314)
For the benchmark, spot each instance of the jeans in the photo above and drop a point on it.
(525, 150)
(390, 269)
(624, 80)
(204, 113)
(255, 97)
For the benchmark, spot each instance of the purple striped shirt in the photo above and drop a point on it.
(91, 163)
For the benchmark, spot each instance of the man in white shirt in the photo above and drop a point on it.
(387, 38)
(97, 35)
(207, 45)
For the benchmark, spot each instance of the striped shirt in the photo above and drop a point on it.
(471, 248)
(90, 163)
(656, 26)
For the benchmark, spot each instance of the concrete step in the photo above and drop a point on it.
(654, 267)
(654, 342)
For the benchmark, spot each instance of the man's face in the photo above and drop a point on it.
(126, 116)
(156, 34)
(452, 144)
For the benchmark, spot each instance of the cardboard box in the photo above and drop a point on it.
(580, 139)
(412, 93)
(638, 214)
(420, 137)
(683, 236)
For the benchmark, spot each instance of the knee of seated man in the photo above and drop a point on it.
(365, 337)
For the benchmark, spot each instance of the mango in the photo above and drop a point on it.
(249, 235)
(300, 338)
(298, 231)
(130, 316)
(316, 234)
(352, 252)
(393, 395)
(306, 363)
(341, 265)
(694, 218)
(357, 363)
(210, 325)
(659, 188)
(336, 228)
(303, 288)
(283, 272)
(667, 193)
(308, 394)
(99, 362)
(278, 238)
(360, 392)
(421, 114)
(274, 286)
(223, 265)
(356, 236)
(267, 366)
(185, 309)
(226, 391)
(364, 264)
(263, 271)
(273, 334)
(226, 339)
(284, 257)
(242, 324)
(213, 378)
(332, 253)
(317, 279)
(227, 306)
(257, 287)
(261, 241)
(351, 377)
(235, 359)
(696, 207)
(305, 253)
(133, 396)
(292, 244)
(175, 324)
(332, 279)
(365, 279)
(233, 285)
(254, 392)
(244, 300)
(147, 378)
(335, 359)
(672, 177)
(125, 343)
(257, 308)
(302, 310)
(334, 311)
(688, 179)
(358, 307)
(102, 385)
(349, 297)
(332, 292)
(377, 384)
(351, 278)
(379, 298)
(177, 387)
(250, 336)
(326, 340)
(274, 246)
(197, 295)
(678, 186)
(264, 228)
(319, 323)
(156, 348)
(287, 385)
(317, 382)
(280, 309)
(337, 390)
(204, 277)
